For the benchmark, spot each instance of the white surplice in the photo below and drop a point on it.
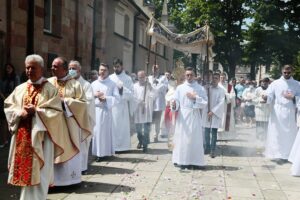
(102, 143)
(121, 112)
(188, 138)
(216, 102)
(294, 156)
(228, 115)
(85, 145)
(143, 109)
(282, 127)
(161, 87)
(262, 110)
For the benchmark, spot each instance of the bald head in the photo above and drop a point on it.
(141, 75)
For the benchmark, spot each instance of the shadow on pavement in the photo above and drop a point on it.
(237, 151)
(225, 168)
(91, 187)
(152, 151)
(107, 170)
(130, 160)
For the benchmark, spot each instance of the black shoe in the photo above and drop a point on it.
(155, 140)
(282, 161)
(98, 159)
(139, 146)
(84, 172)
(212, 154)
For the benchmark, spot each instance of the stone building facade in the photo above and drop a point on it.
(121, 32)
(46, 27)
(90, 31)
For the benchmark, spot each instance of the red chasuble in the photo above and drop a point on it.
(22, 171)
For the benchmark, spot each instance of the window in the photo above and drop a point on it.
(142, 35)
(48, 16)
(126, 26)
(160, 49)
(123, 22)
(52, 17)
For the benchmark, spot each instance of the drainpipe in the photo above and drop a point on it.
(30, 28)
(94, 37)
(76, 30)
(135, 29)
(8, 30)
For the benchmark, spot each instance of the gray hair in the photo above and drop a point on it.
(75, 62)
(35, 58)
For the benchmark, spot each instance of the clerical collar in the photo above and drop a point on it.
(192, 83)
(38, 82)
(103, 80)
(290, 79)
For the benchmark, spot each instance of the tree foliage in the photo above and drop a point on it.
(271, 38)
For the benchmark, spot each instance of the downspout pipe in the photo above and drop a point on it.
(30, 28)
(135, 29)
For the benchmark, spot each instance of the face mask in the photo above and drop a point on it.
(72, 73)
(251, 86)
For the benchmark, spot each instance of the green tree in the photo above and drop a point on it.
(225, 19)
(273, 37)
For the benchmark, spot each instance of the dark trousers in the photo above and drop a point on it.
(143, 135)
(210, 139)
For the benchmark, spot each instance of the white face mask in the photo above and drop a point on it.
(72, 73)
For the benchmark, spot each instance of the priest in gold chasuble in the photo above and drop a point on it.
(76, 117)
(33, 111)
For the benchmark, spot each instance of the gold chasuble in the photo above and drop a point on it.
(74, 98)
(26, 156)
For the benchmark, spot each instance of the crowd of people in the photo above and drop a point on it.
(54, 120)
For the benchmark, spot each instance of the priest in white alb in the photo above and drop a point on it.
(121, 111)
(75, 70)
(106, 96)
(76, 116)
(294, 156)
(144, 96)
(189, 99)
(227, 129)
(213, 114)
(160, 84)
(282, 127)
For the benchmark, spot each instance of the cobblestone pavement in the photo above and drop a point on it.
(238, 172)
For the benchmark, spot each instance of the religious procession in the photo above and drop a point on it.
(135, 100)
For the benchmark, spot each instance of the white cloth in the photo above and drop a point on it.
(262, 110)
(85, 145)
(229, 134)
(188, 138)
(248, 96)
(69, 173)
(282, 127)
(161, 88)
(121, 112)
(217, 99)
(102, 143)
(143, 110)
(294, 157)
